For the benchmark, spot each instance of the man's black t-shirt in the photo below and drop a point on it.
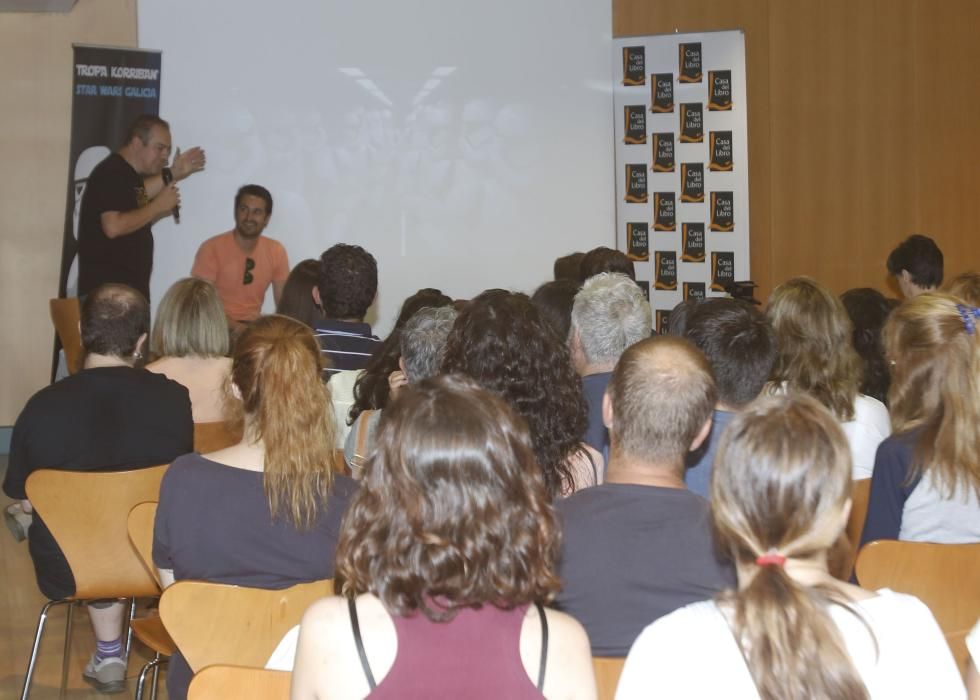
(113, 186)
(101, 419)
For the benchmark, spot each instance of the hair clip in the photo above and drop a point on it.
(770, 558)
(969, 314)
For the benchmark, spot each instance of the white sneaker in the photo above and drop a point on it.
(17, 521)
(107, 676)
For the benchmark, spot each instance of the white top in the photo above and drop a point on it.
(692, 653)
(870, 426)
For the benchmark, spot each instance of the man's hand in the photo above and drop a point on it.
(189, 162)
(168, 198)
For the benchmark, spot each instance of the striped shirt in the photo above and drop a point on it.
(345, 345)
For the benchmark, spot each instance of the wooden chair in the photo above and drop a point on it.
(607, 671)
(844, 552)
(222, 681)
(214, 436)
(946, 577)
(214, 623)
(65, 314)
(87, 513)
(149, 630)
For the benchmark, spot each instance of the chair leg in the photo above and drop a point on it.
(156, 675)
(153, 664)
(42, 618)
(129, 628)
(67, 654)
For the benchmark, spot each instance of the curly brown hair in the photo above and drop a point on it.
(501, 341)
(452, 508)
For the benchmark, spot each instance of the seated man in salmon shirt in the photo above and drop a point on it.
(242, 263)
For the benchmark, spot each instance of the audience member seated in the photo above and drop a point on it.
(553, 301)
(816, 356)
(266, 512)
(966, 287)
(372, 389)
(422, 344)
(567, 267)
(296, 300)
(917, 265)
(603, 259)
(110, 416)
(738, 343)
(347, 285)
(640, 546)
(609, 315)
(926, 483)
(868, 310)
(190, 340)
(447, 553)
(780, 497)
(502, 342)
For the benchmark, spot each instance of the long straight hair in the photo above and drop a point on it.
(936, 387)
(781, 479)
(276, 367)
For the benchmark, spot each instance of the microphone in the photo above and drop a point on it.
(168, 177)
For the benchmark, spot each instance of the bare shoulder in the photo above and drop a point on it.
(568, 666)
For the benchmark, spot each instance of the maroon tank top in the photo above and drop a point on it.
(475, 655)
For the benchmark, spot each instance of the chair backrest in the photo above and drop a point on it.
(607, 671)
(87, 514)
(859, 510)
(65, 314)
(222, 681)
(214, 436)
(140, 528)
(214, 623)
(946, 577)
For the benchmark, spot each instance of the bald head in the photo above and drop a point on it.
(661, 393)
(113, 318)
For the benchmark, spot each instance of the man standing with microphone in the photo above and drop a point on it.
(126, 193)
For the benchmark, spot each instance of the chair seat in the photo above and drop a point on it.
(152, 633)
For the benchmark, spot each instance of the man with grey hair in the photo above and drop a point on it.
(609, 315)
(422, 343)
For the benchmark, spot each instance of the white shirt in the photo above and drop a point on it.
(870, 426)
(692, 653)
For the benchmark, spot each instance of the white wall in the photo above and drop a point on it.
(466, 145)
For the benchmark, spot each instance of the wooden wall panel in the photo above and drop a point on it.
(36, 75)
(862, 128)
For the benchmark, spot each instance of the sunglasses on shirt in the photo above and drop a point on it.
(249, 266)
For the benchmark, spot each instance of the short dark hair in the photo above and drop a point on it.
(679, 317)
(603, 259)
(255, 191)
(869, 309)
(567, 266)
(921, 257)
(142, 126)
(662, 393)
(554, 302)
(452, 507)
(738, 343)
(113, 317)
(348, 281)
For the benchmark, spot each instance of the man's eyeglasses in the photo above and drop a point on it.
(249, 266)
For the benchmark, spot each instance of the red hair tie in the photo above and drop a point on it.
(770, 558)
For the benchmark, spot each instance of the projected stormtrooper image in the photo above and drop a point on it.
(87, 160)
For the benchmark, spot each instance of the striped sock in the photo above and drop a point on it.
(105, 650)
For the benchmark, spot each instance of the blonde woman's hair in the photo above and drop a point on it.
(276, 367)
(190, 321)
(934, 348)
(815, 353)
(781, 480)
(965, 287)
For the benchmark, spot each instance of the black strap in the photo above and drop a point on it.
(356, 627)
(544, 646)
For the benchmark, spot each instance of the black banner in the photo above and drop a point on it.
(692, 122)
(692, 241)
(722, 271)
(721, 150)
(110, 88)
(634, 124)
(694, 291)
(723, 211)
(689, 63)
(634, 65)
(663, 152)
(664, 212)
(636, 183)
(662, 89)
(719, 90)
(692, 182)
(665, 266)
(638, 241)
